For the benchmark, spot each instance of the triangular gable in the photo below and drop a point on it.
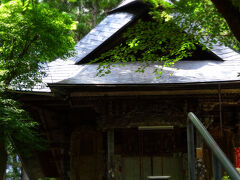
(116, 22)
(101, 33)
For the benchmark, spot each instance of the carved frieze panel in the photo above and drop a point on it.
(131, 113)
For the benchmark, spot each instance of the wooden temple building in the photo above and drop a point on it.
(128, 125)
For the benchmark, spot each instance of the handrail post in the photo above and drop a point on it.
(216, 168)
(218, 153)
(191, 154)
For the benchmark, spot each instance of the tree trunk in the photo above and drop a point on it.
(94, 14)
(231, 15)
(15, 166)
(3, 157)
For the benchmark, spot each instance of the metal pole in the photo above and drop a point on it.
(216, 168)
(191, 154)
(232, 172)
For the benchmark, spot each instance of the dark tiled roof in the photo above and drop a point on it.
(184, 72)
(57, 71)
(102, 32)
(225, 53)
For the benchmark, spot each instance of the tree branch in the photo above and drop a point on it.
(11, 53)
(13, 71)
(26, 47)
(3, 157)
(231, 15)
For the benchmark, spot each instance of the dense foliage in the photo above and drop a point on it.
(87, 13)
(16, 124)
(148, 42)
(177, 28)
(31, 33)
(17, 135)
(203, 20)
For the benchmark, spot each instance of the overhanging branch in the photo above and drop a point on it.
(231, 15)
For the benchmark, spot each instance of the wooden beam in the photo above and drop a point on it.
(152, 93)
(44, 117)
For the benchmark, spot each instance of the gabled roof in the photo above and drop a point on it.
(101, 33)
(115, 22)
(225, 53)
(71, 72)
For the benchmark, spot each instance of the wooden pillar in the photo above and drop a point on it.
(3, 156)
(110, 154)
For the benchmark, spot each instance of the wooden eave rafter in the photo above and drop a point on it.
(154, 93)
(211, 88)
